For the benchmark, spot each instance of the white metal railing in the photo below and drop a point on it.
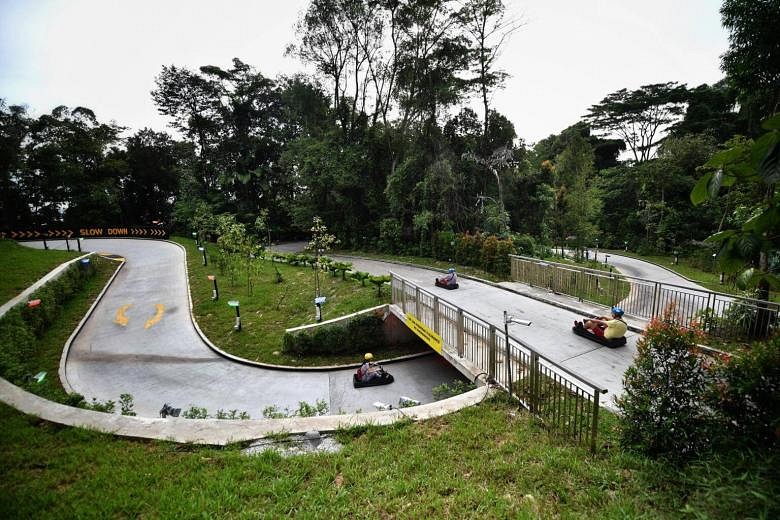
(719, 315)
(563, 400)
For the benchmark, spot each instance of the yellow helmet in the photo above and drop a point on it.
(369, 356)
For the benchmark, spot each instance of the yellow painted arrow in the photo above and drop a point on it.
(157, 317)
(120, 318)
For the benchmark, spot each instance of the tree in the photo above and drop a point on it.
(233, 117)
(488, 28)
(320, 243)
(711, 110)
(577, 201)
(14, 129)
(151, 178)
(639, 117)
(751, 247)
(752, 61)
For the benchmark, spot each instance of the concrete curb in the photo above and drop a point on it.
(218, 431)
(66, 349)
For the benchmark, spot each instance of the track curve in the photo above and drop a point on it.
(141, 340)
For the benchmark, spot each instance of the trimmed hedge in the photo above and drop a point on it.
(361, 334)
(21, 325)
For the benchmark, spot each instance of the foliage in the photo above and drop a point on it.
(662, 409)
(21, 325)
(639, 116)
(195, 412)
(746, 394)
(379, 281)
(456, 387)
(753, 163)
(360, 334)
(126, 404)
(752, 61)
(305, 409)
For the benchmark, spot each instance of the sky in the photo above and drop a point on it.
(105, 54)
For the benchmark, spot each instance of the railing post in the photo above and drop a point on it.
(534, 373)
(403, 295)
(461, 333)
(436, 326)
(492, 358)
(508, 357)
(595, 425)
(417, 304)
(656, 295)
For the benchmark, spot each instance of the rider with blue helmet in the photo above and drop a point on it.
(607, 327)
(450, 279)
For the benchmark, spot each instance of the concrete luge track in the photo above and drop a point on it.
(168, 362)
(140, 340)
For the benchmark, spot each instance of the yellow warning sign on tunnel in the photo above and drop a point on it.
(421, 329)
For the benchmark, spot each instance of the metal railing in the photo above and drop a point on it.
(719, 315)
(561, 399)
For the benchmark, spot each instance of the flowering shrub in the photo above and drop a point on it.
(663, 410)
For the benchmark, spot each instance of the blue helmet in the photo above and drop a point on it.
(451, 270)
(617, 311)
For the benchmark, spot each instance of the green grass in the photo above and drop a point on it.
(274, 307)
(489, 461)
(22, 266)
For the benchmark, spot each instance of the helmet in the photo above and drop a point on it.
(369, 356)
(617, 311)
(451, 270)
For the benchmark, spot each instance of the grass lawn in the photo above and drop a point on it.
(274, 307)
(489, 461)
(22, 266)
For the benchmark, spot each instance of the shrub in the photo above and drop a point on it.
(443, 245)
(663, 410)
(502, 264)
(746, 393)
(390, 235)
(21, 325)
(360, 334)
(525, 244)
(457, 387)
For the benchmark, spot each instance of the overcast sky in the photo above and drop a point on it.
(104, 54)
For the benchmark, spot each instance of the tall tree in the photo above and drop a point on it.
(151, 178)
(577, 202)
(639, 117)
(752, 62)
(488, 26)
(14, 129)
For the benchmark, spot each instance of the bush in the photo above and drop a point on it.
(390, 235)
(360, 334)
(662, 407)
(746, 393)
(525, 244)
(21, 325)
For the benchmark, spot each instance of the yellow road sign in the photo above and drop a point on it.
(421, 329)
